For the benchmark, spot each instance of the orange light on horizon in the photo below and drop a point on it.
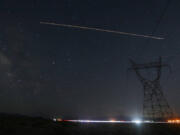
(174, 121)
(59, 119)
(112, 120)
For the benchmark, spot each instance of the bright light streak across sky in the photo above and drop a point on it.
(102, 30)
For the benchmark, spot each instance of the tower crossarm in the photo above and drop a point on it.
(148, 65)
(156, 65)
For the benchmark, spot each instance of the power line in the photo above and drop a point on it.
(161, 17)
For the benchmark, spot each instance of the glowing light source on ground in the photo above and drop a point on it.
(112, 120)
(137, 121)
(174, 121)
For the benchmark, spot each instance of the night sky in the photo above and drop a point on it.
(50, 70)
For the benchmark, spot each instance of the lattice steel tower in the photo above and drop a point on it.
(155, 105)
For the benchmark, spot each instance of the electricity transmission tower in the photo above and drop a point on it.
(155, 105)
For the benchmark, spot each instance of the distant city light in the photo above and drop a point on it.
(54, 119)
(148, 121)
(137, 121)
(112, 120)
(174, 121)
(59, 119)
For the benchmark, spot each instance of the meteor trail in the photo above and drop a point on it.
(102, 30)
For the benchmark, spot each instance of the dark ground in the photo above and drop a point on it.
(23, 125)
